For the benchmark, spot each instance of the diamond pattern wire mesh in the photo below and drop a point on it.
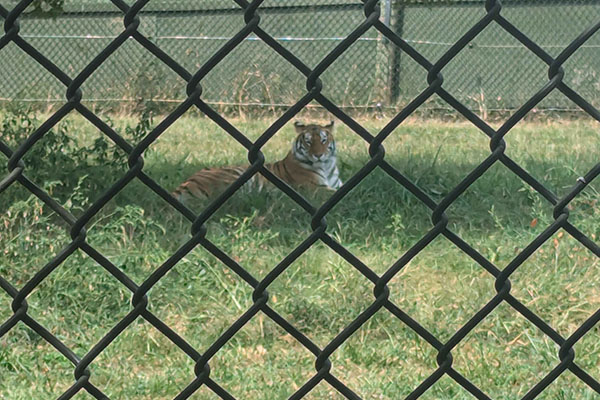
(314, 92)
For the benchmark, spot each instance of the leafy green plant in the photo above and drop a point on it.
(47, 8)
(77, 169)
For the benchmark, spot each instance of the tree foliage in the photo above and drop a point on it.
(47, 8)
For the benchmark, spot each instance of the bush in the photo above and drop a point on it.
(72, 171)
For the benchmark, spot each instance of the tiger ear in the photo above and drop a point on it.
(329, 126)
(299, 126)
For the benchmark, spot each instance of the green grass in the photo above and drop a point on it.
(320, 293)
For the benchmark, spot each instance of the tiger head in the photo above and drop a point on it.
(314, 143)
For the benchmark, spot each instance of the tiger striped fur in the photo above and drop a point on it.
(310, 163)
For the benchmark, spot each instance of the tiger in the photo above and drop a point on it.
(311, 163)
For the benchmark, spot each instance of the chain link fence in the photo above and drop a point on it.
(319, 81)
(372, 73)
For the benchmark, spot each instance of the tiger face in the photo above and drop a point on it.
(314, 143)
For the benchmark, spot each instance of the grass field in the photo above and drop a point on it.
(320, 293)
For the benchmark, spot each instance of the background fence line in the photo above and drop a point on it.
(372, 74)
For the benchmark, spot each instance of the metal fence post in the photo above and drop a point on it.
(396, 24)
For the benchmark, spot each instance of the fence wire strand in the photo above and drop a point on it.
(324, 368)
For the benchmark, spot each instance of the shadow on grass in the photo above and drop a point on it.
(497, 200)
